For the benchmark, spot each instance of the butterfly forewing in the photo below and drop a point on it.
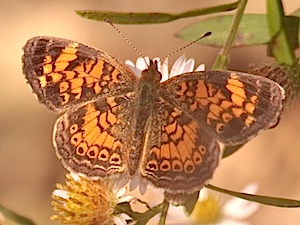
(64, 73)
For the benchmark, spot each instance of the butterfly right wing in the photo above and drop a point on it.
(93, 139)
(64, 73)
(231, 106)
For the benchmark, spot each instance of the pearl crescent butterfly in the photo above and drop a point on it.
(167, 132)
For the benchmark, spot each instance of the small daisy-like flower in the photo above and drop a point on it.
(209, 210)
(181, 65)
(87, 202)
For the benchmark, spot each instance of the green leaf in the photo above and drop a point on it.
(266, 200)
(191, 201)
(18, 219)
(253, 30)
(229, 150)
(150, 18)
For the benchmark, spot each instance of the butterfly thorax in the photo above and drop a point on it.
(144, 108)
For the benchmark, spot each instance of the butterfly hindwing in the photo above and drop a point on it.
(179, 155)
(88, 139)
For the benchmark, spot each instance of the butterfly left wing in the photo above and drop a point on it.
(178, 155)
(233, 107)
(63, 73)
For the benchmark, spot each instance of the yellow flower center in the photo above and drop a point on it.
(87, 202)
(206, 211)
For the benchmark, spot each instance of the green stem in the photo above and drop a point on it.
(267, 200)
(18, 219)
(222, 60)
(281, 45)
(164, 211)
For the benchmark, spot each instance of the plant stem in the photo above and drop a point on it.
(222, 60)
(164, 211)
(281, 45)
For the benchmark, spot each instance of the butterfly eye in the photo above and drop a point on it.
(157, 76)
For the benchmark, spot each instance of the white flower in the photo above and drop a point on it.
(181, 65)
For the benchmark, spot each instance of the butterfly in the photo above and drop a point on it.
(168, 132)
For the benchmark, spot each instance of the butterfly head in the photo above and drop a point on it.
(152, 73)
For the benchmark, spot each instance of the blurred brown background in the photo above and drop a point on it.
(28, 166)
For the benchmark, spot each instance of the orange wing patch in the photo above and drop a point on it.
(63, 73)
(177, 152)
(95, 142)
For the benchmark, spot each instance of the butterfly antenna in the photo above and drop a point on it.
(124, 37)
(184, 47)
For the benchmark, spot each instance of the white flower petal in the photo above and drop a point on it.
(154, 196)
(232, 222)
(119, 221)
(125, 198)
(203, 194)
(250, 188)
(143, 187)
(181, 65)
(164, 70)
(240, 208)
(142, 63)
(178, 66)
(125, 216)
(61, 193)
(119, 193)
(129, 63)
(137, 180)
(176, 215)
(131, 66)
(134, 182)
(75, 176)
(121, 181)
(201, 67)
(189, 65)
